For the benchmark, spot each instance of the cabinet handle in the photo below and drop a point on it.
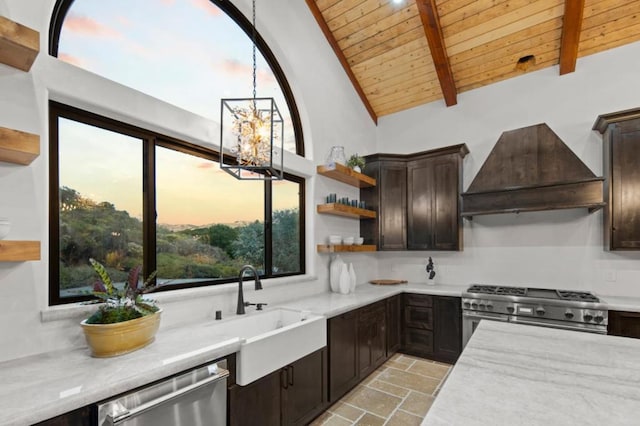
(284, 381)
(290, 372)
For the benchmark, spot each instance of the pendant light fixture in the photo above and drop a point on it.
(251, 133)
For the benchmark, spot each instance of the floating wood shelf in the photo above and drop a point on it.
(346, 175)
(346, 211)
(19, 45)
(18, 147)
(331, 248)
(19, 251)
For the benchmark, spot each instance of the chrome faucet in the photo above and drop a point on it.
(241, 304)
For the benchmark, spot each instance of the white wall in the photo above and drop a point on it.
(561, 249)
(332, 114)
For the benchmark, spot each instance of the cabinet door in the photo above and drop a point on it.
(393, 206)
(84, 416)
(342, 334)
(258, 403)
(418, 317)
(625, 186)
(305, 388)
(626, 324)
(447, 328)
(393, 324)
(372, 339)
(433, 220)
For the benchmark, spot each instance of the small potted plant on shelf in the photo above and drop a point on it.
(126, 321)
(356, 163)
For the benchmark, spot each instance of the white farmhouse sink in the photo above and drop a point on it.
(273, 339)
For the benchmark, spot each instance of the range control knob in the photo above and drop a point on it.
(466, 305)
(599, 317)
(489, 306)
(510, 309)
(474, 304)
(588, 316)
(482, 305)
(568, 314)
(540, 311)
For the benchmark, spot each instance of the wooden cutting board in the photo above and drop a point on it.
(388, 282)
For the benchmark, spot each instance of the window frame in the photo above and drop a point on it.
(150, 140)
(62, 7)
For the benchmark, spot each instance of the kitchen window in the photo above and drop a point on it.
(127, 196)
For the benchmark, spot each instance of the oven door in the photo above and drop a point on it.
(471, 319)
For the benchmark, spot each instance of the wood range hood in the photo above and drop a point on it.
(531, 169)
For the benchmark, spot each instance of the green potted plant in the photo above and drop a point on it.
(126, 320)
(356, 163)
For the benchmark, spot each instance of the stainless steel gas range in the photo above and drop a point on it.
(571, 310)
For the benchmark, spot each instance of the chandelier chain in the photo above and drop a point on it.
(253, 38)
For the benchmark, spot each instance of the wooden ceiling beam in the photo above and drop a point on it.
(571, 28)
(433, 32)
(341, 57)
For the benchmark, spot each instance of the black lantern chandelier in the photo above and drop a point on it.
(251, 133)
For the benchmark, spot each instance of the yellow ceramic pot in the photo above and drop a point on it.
(106, 340)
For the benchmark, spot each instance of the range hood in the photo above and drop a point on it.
(531, 169)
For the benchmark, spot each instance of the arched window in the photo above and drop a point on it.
(130, 196)
(190, 53)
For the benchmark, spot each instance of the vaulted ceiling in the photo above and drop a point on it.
(402, 53)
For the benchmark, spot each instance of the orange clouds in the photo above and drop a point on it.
(88, 26)
(232, 66)
(71, 60)
(206, 6)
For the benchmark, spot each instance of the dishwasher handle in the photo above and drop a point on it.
(126, 413)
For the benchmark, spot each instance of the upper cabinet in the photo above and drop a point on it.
(389, 199)
(621, 167)
(417, 198)
(19, 45)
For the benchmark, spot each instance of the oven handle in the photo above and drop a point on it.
(120, 417)
(559, 325)
(487, 316)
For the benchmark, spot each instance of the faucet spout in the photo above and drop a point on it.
(258, 285)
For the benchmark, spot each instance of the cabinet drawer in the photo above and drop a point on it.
(418, 300)
(371, 311)
(418, 317)
(417, 341)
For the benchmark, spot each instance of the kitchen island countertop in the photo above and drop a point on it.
(512, 374)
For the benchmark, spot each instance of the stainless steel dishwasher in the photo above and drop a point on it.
(197, 397)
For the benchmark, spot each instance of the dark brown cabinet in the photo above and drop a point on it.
(293, 395)
(85, 416)
(342, 337)
(389, 199)
(625, 324)
(394, 329)
(372, 339)
(433, 200)
(432, 327)
(357, 343)
(447, 329)
(417, 199)
(621, 166)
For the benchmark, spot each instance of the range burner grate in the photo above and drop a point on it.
(494, 289)
(577, 295)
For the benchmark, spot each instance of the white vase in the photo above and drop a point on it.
(352, 278)
(334, 273)
(345, 281)
(357, 169)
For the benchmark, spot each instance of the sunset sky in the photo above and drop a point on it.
(187, 53)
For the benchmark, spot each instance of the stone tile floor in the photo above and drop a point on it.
(400, 393)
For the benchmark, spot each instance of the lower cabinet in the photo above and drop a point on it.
(394, 324)
(625, 324)
(85, 416)
(293, 395)
(432, 327)
(357, 346)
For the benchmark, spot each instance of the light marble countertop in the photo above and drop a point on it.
(333, 304)
(619, 303)
(511, 374)
(40, 387)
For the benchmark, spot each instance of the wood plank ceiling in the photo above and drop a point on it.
(400, 54)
